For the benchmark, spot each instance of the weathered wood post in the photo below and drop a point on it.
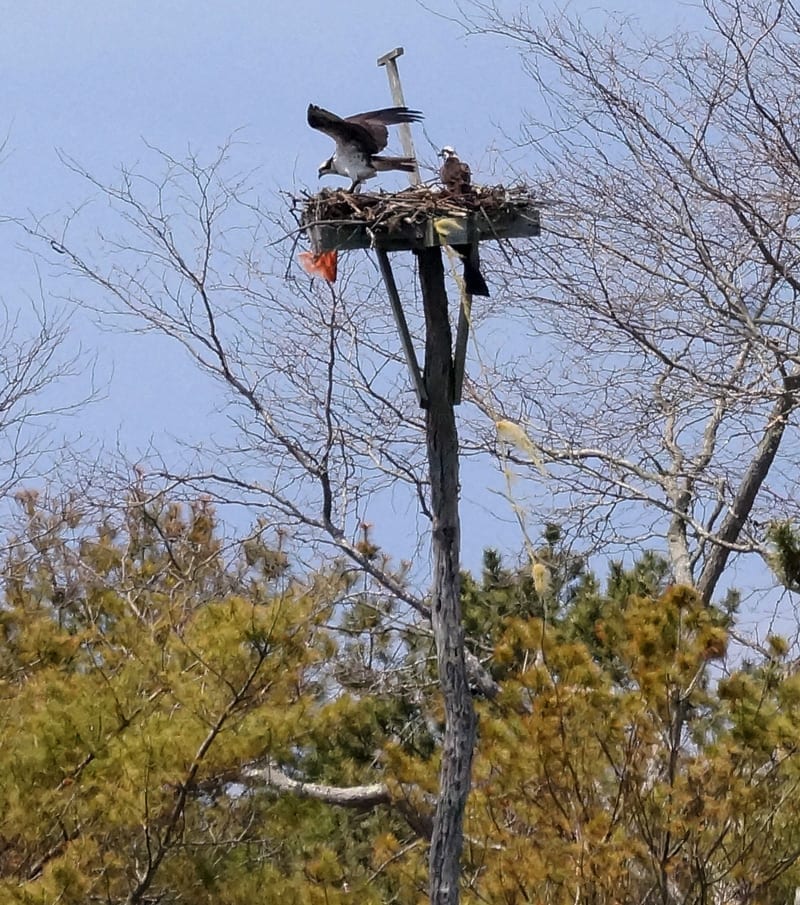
(389, 60)
(448, 630)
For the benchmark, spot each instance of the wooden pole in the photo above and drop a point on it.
(441, 435)
(448, 630)
(389, 60)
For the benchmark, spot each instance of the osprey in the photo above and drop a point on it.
(359, 139)
(456, 177)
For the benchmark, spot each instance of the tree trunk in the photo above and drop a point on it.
(752, 481)
(442, 442)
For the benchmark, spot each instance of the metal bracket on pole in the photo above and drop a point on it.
(389, 60)
(402, 327)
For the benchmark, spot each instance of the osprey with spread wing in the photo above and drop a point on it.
(359, 140)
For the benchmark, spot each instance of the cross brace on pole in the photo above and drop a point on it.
(402, 327)
(462, 332)
(460, 354)
(389, 60)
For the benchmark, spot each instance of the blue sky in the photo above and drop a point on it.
(94, 78)
(98, 79)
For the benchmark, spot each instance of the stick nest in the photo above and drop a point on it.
(390, 212)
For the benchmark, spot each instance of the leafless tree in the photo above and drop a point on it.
(319, 417)
(35, 362)
(661, 381)
(656, 395)
(322, 417)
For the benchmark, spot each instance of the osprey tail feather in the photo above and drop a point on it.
(474, 283)
(383, 164)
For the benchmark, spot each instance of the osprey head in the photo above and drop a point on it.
(325, 168)
(447, 152)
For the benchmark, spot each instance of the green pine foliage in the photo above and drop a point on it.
(146, 667)
(140, 673)
(785, 559)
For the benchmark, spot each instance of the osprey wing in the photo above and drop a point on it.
(342, 131)
(375, 122)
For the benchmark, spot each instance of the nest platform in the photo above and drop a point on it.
(418, 217)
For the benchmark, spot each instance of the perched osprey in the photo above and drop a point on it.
(456, 177)
(359, 139)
